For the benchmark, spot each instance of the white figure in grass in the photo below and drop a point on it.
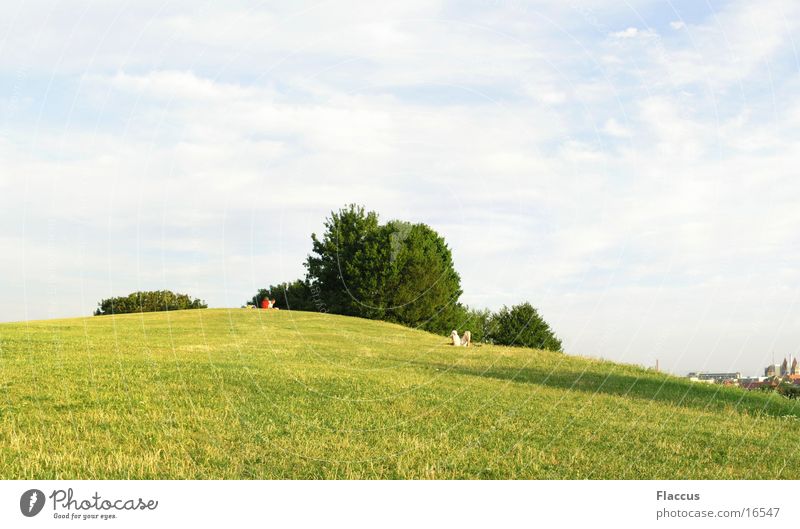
(465, 340)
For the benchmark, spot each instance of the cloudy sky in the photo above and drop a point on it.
(631, 168)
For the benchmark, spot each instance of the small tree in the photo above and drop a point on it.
(287, 296)
(522, 326)
(478, 323)
(462, 318)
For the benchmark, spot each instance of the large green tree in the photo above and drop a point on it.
(421, 285)
(398, 271)
(346, 266)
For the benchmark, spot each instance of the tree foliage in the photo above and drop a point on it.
(478, 322)
(788, 390)
(521, 325)
(148, 301)
(398, 272)
(421, 286)
(345, 266)
(287, 296)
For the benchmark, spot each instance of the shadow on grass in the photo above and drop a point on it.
(649, 386)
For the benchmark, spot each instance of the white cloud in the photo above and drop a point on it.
(175, 85)
(633, 33)
(616, 129)
(739, 45)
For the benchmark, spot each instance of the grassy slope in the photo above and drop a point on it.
(255, 394)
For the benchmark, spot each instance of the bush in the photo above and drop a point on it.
(522, 326)
(148, 301)
(463, 318)
(477, 322)
(288, 296)
(790, 391)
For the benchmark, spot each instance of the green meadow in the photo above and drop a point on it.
(251, 394)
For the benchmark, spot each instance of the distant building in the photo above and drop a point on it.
(715, 378)
(786, 368)
(695, 379)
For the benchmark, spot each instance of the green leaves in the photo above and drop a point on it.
(294, 296)
(422, 285)
(399, 271)
(148, 301)
(344, 266)
(521, 325)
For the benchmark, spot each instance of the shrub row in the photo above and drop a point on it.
(148, 301)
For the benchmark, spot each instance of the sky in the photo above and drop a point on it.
(630, 168)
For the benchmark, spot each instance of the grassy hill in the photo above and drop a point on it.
(258, 394)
